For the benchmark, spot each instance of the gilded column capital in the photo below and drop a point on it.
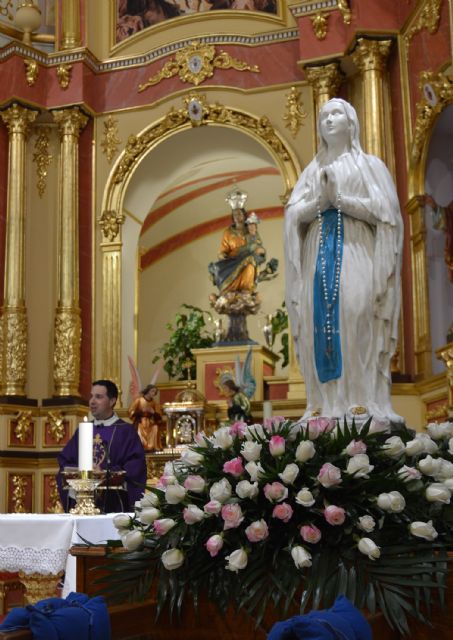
(70, 121)
(110, 223)
(18, 118)
(325, 79)
(371, 55)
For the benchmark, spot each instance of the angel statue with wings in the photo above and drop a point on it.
(239, 389)
(145, 411)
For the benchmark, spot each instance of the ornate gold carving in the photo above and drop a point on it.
(42, 158)
(66, 360)
(110, 141)
(195, 63)
(15, 350)
(18, 118)
(110, 223)
(6, 7)
(38, 586)
(18, 497)
(428, 19)
(345, 11)
(55, 505)
(70, 121)
(437, 414)
(446, 355)
(325, 80)
(437, 91)
(56, 428)
(319, 22)
(24, 425)
(64, 73)
(31, 71)
(371, 55)
(295, 114)
(212, 113)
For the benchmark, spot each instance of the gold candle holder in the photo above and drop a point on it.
(84, 488)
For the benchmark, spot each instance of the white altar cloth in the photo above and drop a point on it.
(39, 543)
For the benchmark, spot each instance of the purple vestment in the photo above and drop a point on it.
(116, 447)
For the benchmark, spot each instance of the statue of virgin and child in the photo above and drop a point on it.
(343, 246)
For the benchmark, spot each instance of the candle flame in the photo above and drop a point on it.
(85, 419)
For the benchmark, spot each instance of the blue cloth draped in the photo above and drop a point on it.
(328, 353)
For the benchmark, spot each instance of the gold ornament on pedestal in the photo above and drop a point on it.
(28, 18)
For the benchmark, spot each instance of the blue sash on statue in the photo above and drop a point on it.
(328, 351)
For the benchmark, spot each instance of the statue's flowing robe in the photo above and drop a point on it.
(369, 283)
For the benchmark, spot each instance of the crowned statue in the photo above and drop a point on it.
(237, 270)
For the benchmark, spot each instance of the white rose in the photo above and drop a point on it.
(414, 447)
(121, 521)
(305, 451)
(429, 446)
(445, 471)
(423, 530)
(222, 438)
(408, 474)
(289, 473)
(366, 523)
(393, 501)
(379, 426)
(251, 451)
(394, 447)
(192, 458)
(150, 499)
(237, 560)
(254, 432)
(438, 492)
(450, 446)
(246, 489)
(369, 548)
(301, 557)
(438, 431)
(359, 466)
(430, 466)
(193, 514)
(448, 482)
(254, 470)
(148, 515)
(174, 494)
(172, 559)
(220, 491)
(133, 540)
(305, 497)
(200, 438)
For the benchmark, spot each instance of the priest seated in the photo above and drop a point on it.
(116, 448)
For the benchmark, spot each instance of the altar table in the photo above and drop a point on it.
(37, 546)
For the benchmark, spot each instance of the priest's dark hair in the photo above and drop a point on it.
(112, 389)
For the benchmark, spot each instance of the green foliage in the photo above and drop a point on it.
(188, 331)
(280, 326)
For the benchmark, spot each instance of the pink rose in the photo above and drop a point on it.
(355, 447)
(163, 526)
(334, 515)
(277, 446)
(329, 475)
(272, 423)
(234, 467)
(238, 429)
(212, 507)
(195, 484)
(275, 491)
(257, 531)
(283, 511)
(214, 544)
(310, 533)
(316, 426)
(232, 515)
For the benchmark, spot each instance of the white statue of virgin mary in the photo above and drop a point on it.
(343, 237)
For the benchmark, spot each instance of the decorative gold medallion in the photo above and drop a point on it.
(110, 141)
(110, 223)
(195, 63)
(319, 22)
(31, 71)
(64, 72)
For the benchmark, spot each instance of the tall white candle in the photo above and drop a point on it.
(267, 409)
(85, 446)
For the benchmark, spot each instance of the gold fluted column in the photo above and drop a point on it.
(70, 24)
(68, 329)
(370, 56)
(110, 223)
(420, 293)
(14, 313)
(325, 81)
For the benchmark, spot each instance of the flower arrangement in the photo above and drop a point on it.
(285, 513)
